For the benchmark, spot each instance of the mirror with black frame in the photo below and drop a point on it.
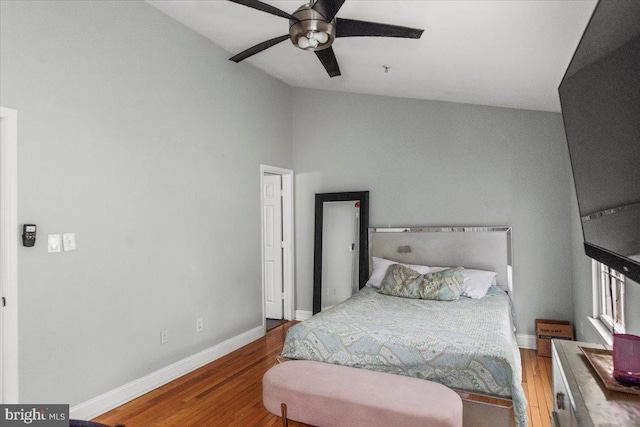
(341, 247)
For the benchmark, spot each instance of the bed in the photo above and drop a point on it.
(467, 344)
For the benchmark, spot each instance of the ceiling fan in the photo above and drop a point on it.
(314, 27)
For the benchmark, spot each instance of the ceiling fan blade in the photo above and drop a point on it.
(255, 4)
(329, 61)
(353, 28)
(328, 8)
(258, 48)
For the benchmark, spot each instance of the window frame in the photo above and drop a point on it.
(609, 285)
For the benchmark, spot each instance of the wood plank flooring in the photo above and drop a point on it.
(228, 392)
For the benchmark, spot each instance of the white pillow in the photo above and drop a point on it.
(476, 282)
(380, 266)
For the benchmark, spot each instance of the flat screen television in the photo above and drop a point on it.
(600, 99)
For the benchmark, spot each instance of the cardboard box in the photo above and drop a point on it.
(546, 330)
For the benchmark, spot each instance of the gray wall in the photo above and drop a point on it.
(438, 163)
(142, 138)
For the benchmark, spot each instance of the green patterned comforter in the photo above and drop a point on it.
(468, 344)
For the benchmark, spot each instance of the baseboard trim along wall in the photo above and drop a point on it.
(526, 341)
(123, 394)
(303, 315)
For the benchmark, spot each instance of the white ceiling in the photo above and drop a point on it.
(506, 53)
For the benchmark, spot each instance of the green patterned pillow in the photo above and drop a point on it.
(401, 281)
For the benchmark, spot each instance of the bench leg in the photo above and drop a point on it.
(285, 421)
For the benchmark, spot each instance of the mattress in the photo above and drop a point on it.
(468, 344)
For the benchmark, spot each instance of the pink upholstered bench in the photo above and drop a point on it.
(325, 395)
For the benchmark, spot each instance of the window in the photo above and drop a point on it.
(610, 289)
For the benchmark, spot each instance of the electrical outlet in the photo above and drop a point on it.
(199, 324)
(164, 337)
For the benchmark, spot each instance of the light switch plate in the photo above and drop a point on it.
(69, 242)
(53, 243)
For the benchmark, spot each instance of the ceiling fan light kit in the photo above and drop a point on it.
(314, 27)
(310, 31)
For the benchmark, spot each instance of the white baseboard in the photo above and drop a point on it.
(526, 341)
(303, 315)
(123, 394)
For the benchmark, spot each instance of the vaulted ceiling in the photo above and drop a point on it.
(506, 53)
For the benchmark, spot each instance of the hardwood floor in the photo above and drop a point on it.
(228, 392)
(274, 323)
(536, 382)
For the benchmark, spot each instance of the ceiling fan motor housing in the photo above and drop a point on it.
(311, 23)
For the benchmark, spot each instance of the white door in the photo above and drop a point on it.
(272, 228)
(8, 257)
(2, 297)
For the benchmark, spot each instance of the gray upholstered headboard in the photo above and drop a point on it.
(484, 248)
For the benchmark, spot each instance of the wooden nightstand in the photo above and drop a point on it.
(580, 398)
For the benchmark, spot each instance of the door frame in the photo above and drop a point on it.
(9, 254)
(287, 237)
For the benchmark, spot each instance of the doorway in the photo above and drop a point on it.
(276, 206)
(8, 256)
